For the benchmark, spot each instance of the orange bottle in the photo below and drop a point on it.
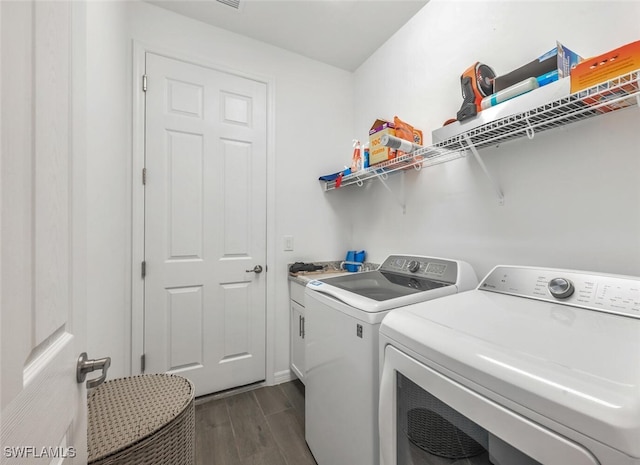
(356, 159)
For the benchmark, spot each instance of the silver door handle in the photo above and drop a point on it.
(256, 269)
(87, 366)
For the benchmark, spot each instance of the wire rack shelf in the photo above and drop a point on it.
(615, 94)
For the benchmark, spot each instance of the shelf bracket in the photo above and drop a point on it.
(417, 162)
(475, 153)
(400, 201)
(530, 131)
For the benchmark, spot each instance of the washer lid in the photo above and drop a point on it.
(365, 291)
(382, 285)
(578, 367)
(401, 280)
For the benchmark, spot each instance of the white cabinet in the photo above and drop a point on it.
(297, 340)
(297, 356)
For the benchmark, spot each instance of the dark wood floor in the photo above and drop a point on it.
(264, 426)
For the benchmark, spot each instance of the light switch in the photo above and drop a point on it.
(288, 243)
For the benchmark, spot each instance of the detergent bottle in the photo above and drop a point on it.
(356, 159)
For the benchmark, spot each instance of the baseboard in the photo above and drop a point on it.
(278, 378)
(283, 376)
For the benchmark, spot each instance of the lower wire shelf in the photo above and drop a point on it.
(423, 157)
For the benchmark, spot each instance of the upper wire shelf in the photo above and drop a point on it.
(615, 94)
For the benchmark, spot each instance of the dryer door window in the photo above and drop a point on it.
(431, 432)
(427, 418)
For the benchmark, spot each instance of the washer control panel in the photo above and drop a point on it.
(425, 267)
(603, 292)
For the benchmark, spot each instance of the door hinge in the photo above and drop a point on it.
(144, 83)
(144, 176)
(142, 362)
(143, 271)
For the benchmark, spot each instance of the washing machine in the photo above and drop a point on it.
(534, 366)
(342, 319)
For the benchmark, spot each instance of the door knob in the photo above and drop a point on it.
(87, 366)
(256, 269)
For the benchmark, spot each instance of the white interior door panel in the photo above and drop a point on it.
(205, 224)
(43, 416)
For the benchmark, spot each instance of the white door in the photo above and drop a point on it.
(43, 416)
(205, 224)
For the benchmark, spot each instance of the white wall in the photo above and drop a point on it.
(571, 195)
(313, 111)
(108, 184)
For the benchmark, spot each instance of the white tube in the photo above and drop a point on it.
(518, 88)
(397, 143)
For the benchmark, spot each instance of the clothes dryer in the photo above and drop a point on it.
(535, 366)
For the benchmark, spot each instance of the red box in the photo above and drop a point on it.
(603, 68)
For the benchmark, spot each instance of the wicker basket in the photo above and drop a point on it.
(146, 419)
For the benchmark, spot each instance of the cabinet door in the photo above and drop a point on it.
(296, 292)
(297, 340)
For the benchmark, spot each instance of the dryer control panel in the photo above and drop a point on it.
(602, 292)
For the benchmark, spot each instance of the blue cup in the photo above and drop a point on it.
(352, 259)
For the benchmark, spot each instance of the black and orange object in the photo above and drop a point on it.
(476, 83)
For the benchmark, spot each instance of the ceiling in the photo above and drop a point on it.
(340, 33)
